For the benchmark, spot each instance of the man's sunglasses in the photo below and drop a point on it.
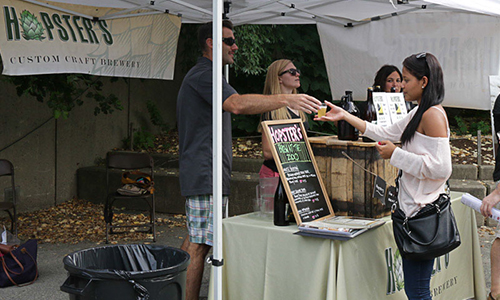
(292, 72)
(229, 41)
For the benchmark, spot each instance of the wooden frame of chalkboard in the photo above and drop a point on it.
(295, 162)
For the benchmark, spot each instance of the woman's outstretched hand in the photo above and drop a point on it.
(334, 114)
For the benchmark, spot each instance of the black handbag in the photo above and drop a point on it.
(18, 264)
(432, 232)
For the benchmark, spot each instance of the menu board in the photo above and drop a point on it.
(296, 164)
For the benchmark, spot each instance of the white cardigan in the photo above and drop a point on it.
(425, 162)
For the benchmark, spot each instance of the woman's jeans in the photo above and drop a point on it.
(418, 278)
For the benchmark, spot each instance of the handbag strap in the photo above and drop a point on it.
(408, 232)
(398, 178)
(17, 262)
(7, 270)
(6, 249)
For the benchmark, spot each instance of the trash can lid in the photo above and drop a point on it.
(138, 261)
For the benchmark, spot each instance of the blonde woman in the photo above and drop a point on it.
(282, 78)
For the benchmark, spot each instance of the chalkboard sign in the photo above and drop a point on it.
(296, 164)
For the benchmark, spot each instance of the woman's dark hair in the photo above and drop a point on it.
(205, 32)
(383, 73)
(420, 65)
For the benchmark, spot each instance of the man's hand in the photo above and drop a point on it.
(333, 115)
(385, 149)
(489, 202)
(303, 102)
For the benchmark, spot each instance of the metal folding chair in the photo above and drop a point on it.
(7, 169)
(127, 161)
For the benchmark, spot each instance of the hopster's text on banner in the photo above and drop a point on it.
(39, 40)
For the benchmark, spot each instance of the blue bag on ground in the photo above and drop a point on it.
(18, 264)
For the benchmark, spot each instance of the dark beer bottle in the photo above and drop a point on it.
(371, 112)
(280, 201)
(377, 89)
(393, 89)
(289, 213)
(345, 130)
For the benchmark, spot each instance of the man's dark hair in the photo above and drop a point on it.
(205, 32)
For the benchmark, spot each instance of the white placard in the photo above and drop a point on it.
(391, 107)
(381, 105)
(397, 106)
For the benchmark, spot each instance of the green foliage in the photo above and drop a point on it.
(155, 116)
(255, 42)
(471, 126)
(143, 140)
(461, 128)
(188, 50)
(481, 125)
(244, 125)
(259, 46)
(62, 92)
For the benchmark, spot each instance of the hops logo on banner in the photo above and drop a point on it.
(32, 29)
(394, 264)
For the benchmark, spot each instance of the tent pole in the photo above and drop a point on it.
(217, 148)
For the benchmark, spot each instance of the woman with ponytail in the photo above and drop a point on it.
(424, 156)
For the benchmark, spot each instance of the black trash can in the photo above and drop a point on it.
(126, 272)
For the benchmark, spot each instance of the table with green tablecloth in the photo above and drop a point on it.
(263, 261)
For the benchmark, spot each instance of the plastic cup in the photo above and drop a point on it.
(322, 111)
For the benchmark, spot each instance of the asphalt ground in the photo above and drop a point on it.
(53, 274)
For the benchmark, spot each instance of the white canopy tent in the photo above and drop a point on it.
(346, 16)
(358, 36)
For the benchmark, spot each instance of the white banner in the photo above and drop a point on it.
(467, 46)
(39, 40)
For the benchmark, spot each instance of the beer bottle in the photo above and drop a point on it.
(280, 201)
(377, 89)
(393, 89)
(371, 112)
(289, 212)
(345, 130)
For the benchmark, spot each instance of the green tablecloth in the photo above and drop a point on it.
(262, 261)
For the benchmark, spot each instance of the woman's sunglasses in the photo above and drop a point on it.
(229, 41)
(292, 72)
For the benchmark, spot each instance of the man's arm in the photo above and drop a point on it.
(489, 202)
(250, 104)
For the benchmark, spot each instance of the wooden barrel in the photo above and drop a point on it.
(350, 184)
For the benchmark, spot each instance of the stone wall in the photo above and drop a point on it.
(46, 159)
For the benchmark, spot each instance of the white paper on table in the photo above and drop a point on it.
(382, 107)
(475, 204)
(397, 106)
